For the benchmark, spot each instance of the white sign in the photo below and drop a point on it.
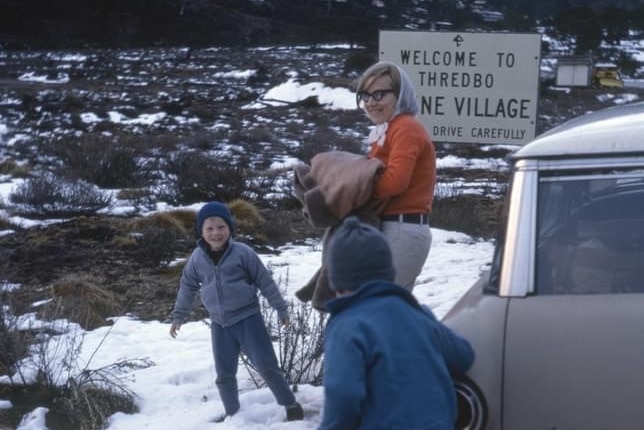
(472, 87)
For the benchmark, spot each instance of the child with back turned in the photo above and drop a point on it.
(228, 275)
(388, 361)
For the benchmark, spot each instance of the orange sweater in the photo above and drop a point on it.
(409, 176)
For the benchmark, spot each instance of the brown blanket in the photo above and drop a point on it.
(336, 184)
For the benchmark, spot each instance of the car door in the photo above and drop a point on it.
(574, 348)
(574, 362)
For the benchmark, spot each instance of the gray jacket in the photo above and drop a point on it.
(229, 289)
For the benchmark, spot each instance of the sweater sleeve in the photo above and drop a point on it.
(263, 280)
(456, 350)
(345, 388)
(188, 287)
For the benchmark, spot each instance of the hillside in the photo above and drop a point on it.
(92, 127)
(42, 24)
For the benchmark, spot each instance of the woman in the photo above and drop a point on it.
(400, 141)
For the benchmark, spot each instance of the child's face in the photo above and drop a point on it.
(215, 232)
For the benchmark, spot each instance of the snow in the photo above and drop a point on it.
(61, 78)
(177, 390)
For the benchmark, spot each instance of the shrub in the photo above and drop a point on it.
(156, 246)
(158, 236)
(268, 187)
(10, 167)
(5, 224)
(105, 161)
(14, 343)
(247, 217)
(358, 62)
(201, 141)
(289, 225)
(44, 370)
(77, 395)
(472, 214)
(172, 220)
(247, 136)
(124, 242)
(201, 178)
(86, 406)
(185, 219)
(325, 140)
(300, 345)
(141, 198)
(48, 195)
(82, 300)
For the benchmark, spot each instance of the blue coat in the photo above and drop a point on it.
(388, 361)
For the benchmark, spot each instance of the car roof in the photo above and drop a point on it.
(617, 130)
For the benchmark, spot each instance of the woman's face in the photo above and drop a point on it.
(382, 110)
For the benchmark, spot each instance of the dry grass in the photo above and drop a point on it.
(82, 299)
(248, 218)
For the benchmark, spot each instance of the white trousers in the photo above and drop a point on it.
(410, 244)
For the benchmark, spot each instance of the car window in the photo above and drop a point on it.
(590, 233)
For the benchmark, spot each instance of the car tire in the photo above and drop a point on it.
(472, 409)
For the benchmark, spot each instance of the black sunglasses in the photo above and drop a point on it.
(363, 96)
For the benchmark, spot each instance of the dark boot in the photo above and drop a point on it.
(294, 412)
(220, 418)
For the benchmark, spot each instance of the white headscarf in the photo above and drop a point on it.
(378, 133)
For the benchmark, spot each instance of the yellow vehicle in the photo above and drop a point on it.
(607, 75)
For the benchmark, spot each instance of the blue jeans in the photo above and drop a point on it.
(251, 337)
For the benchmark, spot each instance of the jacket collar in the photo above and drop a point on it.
(201, 243)
(370, 290)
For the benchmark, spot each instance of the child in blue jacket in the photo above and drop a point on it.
(228, 275)
(387, 359)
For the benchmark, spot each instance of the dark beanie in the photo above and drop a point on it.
(215, 209)
(358, 253)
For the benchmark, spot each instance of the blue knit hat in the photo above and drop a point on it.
(358, 253)
(215, 209)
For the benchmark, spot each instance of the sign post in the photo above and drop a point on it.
(472, 87)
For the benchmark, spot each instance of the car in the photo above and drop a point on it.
(607, 75)
(557, 319)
